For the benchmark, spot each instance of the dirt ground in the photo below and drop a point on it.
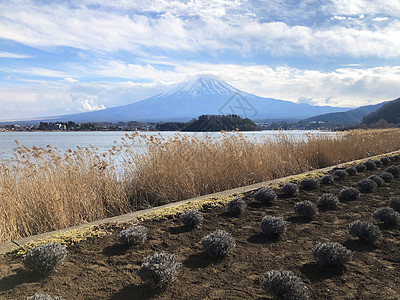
(101, 268)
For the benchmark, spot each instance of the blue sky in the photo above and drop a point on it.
(59, 57)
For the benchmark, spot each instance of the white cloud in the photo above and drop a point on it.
(366, 7)
(90, 103)
(347, 86)
(71, 80)
(223, 26)
(14, 95)
(13, 55)
(307, 100)
(121, 69)
(45, 98)
(340, 18)
(42, 72)
(380, 19)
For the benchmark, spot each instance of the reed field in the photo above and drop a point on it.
(44, 189)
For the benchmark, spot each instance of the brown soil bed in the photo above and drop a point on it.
(100, 268)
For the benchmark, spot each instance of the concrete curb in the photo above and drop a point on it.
(9, 246)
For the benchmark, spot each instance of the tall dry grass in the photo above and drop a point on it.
(45, 189)
(185, 167)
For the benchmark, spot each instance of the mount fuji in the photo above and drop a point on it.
(200, 96)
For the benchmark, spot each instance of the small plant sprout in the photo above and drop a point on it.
(340, 174)
(290, 189)
(309, 183)
(265, 195)
(387, 215)
(159, 270)
(331, 254)
(378, 180)
(218, 243)
(273, 226)
(351, 171)
(395, 203)
(236, 206)
(328, 201)
(327, 179)
(385, 160)
(370, 165)
(43, 297)
(366, 185)
(133, 235)
(387, 177)
(45, 258)
(284, 285)
(394, 170)
(365, 231)
(361, 167)
(306, 209)
(349, 193)
(192, 218)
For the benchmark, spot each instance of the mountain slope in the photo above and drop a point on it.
(353, 116)
(201, 96)
(390, 112)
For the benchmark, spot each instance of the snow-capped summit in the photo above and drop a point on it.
(204, 85)
(204, 95)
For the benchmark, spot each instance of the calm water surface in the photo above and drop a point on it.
(104, 140)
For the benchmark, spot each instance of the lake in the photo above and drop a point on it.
(104, 140)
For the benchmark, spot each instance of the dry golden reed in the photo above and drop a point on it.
(44, 189)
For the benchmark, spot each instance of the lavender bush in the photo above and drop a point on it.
(331, 254)
(387, 215)
(378, 180)
(387, 177)
(218, 243)
(159, 269)
(365, 231)
(306, 209)
(327, 179)
(349, 193)
(290, 189)
(394, 170)
(133, 235)
(366, 185)
(395, 203)
(361, 167)
(192, 217)
(265, 195)
(284, 285)
(45, 258)
(328, 201)
(271, 225)
(340, 174)
(236, 206)
(370, 165)
(309, 183)
(351, 170)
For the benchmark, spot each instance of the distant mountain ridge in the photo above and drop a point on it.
(350, 117)
(200, 96)
(390, 112)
